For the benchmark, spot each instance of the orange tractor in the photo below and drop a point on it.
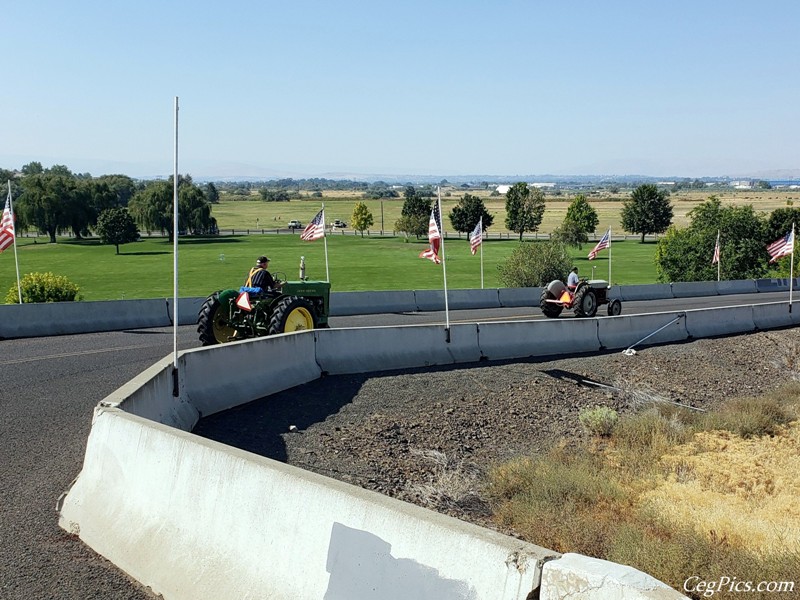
(583, 300)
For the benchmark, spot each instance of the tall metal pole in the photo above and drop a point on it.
(175, 251)
(444, 268)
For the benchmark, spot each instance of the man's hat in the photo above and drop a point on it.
(263, 259)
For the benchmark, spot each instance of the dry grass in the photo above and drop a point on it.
(236, 212)
(673, 492)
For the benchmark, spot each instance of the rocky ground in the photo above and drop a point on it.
(428, 436)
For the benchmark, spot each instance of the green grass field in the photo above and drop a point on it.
(144, 269)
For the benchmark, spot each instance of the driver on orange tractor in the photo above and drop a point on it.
(572, 280)
(259, 280)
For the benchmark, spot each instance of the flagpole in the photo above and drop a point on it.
(719, 257)
(175, 258)
(791, 271)
(14, 225)
(444, 267)
(481, 226)
(325, 241)
(609, 256)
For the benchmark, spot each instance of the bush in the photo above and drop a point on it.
(599, 421)
(535, 264)
(44, 287)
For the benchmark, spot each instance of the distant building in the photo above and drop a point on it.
(743, 184)
(502, 189)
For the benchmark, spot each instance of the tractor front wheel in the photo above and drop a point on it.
(550, 309)
(212, 322)
(292, 313)
(585, 302)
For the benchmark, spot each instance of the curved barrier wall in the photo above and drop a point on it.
(32, 320)
(216, 522)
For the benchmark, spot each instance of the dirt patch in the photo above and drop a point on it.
(428, 436)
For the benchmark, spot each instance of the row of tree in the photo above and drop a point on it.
(56, 201)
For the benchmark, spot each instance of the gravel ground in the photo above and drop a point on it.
(428, 435)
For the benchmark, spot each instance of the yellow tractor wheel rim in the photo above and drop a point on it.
(222, 331)
(299, 319)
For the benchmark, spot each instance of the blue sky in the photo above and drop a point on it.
(416, 87)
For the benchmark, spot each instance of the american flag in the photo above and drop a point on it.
(715, 260)
(315, 229)
(434, 236)
(781, 247)
(476, 237)
(7, 225)
(604, 243)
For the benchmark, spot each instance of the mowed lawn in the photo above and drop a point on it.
(145, 269)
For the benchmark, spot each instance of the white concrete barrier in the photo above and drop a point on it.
(658, 291)
(585, 578)
(710, 322)
(521, 339)
(626, 330)
(740, 286)
(361, 350)
(227, 375)
(694, 289)
(774, 315)
(469, 299)
(193, 519)
(365, 303)
(772, 285)
(150, 395)
(187, 309)
(519, 297)
(61, 318)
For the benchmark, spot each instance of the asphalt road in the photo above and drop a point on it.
(49, 388)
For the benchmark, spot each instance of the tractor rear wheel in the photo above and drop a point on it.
(585, 302)
(550, 309)
(212, 322)
(292, 313)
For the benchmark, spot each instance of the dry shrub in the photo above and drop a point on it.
(674, 493)
(750, 417)
(454, 485)
(599, 421)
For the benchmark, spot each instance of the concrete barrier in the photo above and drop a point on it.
(772, 285)
(521, 339)
(711, 322)
(626, 330)
(694, 289)
(61, 318)
(224, 376)
(741, 286)
(433, 300)
(519, 297)
(365, 303)
(658, 291)
(194, 519)
(187, 309)
(361, 350)
(774, 315)
(345, 542)
(578, 576)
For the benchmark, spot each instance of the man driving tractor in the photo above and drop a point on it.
(572, 279)
(259, 280)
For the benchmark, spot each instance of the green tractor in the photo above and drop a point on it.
(298, 306)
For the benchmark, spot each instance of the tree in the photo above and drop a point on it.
(416, 213)
(535, 264)
(647, 211)
(580, 219)
(152, 209)
(524, 208)
(116, 226)
(123, 187)
(361, 218)
(780, 222)
(684, 254)
(44, 203)
(211, 193)
(468, 212)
